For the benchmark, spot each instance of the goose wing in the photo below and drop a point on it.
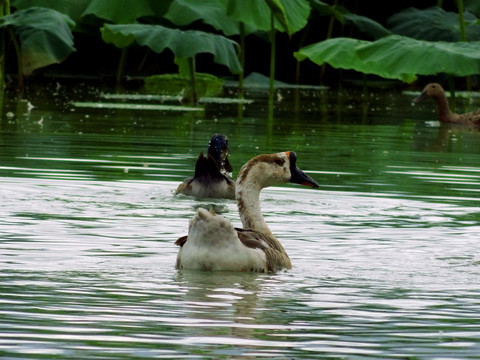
(276, 255)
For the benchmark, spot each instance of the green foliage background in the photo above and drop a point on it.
(215, 32)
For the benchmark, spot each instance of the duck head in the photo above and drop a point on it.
(433, 90)
(218, 149)
(269, 169)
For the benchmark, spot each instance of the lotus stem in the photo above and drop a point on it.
(463, 35)
(451, 86)
(144, 59)
(461, 20)
(121, 65)
(19, 57)
(329, 35)
(191, 67)
(4, 10)
(241, 56)
(272, 65)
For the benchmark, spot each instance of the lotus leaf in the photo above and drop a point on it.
(395, 54)
(473, 6)
(94, 12)
(184, 44)
(297, 13)
(74, 9)
(44, 34)
(340, 54)
(291, 15)
(325, 9)
(367, 25)
(433, 24)
(212, 12)
(396, 57)
(126, 11)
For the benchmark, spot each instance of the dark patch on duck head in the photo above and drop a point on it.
(218, 149)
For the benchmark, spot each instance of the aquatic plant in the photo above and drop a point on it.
(41, 37)
(243, 18)
(402, 56)
(183, 44)
(118, 12)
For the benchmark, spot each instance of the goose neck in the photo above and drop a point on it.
(248, 201)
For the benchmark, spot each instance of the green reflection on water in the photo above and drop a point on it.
(355, 143)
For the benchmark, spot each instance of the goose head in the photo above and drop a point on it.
(218, 149)
(433, 90)
(270, 169)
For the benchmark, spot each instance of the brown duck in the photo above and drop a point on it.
(445, 115)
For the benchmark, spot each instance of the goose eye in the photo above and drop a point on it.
(279, 162)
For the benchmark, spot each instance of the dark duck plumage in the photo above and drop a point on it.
(445, 115)
(211, 179)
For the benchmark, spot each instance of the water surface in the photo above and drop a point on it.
(385, 252)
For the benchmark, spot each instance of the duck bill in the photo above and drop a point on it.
(228, 166)
(419, 98)
(299, 177)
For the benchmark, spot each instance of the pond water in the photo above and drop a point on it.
(385, 253)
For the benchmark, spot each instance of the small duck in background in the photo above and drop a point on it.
(212, 177)
(213, 243)
(445, 115)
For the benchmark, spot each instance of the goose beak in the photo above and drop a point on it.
(421, 97)
(297, 175)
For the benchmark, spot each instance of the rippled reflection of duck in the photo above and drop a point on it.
(213, 243)
(445, 115)
(211, 179)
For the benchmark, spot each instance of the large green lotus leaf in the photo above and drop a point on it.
(184, 44)
(254, 13)
(73, 8)
(367, 25)
(340, 54)
(290, 14)
(126, 11)
(297, 13)
(397, 54)
(472, 6)
(44, 34)
(433, 24)
(212, 12)
(323, 8)
(279, 14)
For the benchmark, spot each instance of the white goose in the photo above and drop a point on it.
(213, 243)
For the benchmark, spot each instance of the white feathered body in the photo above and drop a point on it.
(213, 244)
